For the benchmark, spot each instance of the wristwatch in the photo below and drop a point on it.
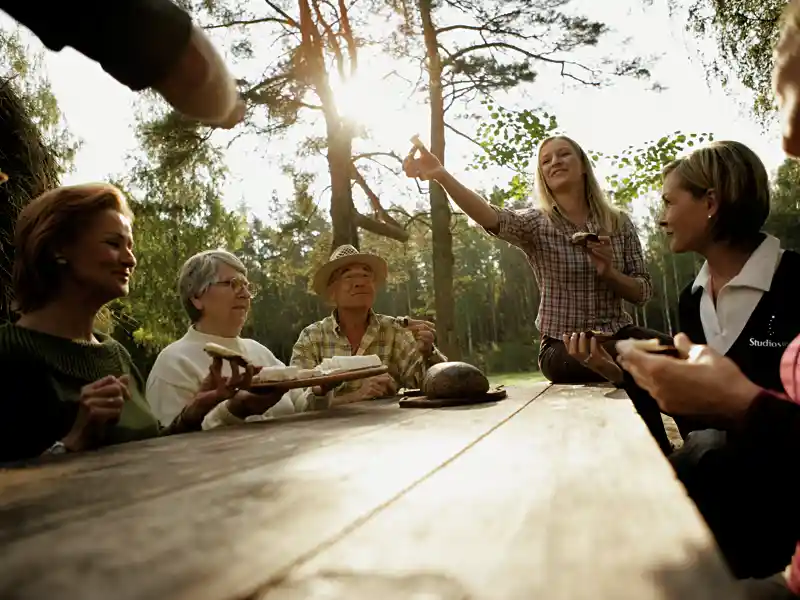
(57, 448)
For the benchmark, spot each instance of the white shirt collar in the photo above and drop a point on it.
(757, 272)
(200, 337)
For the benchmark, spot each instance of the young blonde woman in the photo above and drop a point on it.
(582, 288)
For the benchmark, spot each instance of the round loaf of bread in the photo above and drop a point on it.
(454, 380)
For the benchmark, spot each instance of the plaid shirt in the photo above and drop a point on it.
(573, 297)
(384, 336)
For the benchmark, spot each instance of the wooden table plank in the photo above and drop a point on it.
(143, 470)
(224, 538)
(571, 499)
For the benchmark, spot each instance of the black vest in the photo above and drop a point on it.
(775, 322)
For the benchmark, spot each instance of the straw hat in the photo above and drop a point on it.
(344, 256)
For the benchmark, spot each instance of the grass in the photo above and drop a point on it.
(515, 378)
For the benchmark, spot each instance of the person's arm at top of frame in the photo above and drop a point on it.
(142, 44)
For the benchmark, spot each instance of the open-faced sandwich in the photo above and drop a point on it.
(350, 363)
(277, 373)
(653, 346)
(583, 237)
(215, 350)
(601, 336)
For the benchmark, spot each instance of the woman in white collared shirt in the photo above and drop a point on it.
(716, 201)
(216, 294)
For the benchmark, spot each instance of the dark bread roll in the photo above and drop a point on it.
(454, 380)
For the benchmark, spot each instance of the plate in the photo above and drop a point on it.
(333, 378)
(424, 402)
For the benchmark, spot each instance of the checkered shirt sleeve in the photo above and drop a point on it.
(633, 257)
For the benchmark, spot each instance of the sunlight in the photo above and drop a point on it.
(381, 104)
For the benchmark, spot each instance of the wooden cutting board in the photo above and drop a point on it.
(332, 379)
(418, 401)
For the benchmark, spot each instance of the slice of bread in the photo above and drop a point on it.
(584, 237)
(417, 142)
(215, 350)
(602, 336)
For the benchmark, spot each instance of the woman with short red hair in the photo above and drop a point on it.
(66, 386)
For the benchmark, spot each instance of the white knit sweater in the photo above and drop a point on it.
(181, 367)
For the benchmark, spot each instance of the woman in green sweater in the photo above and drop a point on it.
(67, 387)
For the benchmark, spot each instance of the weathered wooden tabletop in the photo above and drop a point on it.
(556, 494)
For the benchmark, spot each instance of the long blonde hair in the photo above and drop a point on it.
(602, 211)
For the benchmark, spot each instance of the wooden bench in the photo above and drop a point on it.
(553, 494)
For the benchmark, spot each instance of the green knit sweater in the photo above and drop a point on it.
(41, 377)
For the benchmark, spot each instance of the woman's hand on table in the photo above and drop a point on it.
(705, 383)
(99, 407)
(586, 350)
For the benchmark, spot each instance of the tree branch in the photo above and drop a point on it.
(347, 32)
(465, 136)
(374, 201)
(284, 14)
(506, 46)
(373, 154)
(378, 228)
(417, 217)
(337, 49)
(250, 22)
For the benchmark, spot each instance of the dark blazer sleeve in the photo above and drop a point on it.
(32, 417)
(135, 41)
(772, 429)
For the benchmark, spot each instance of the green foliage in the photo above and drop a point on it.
(784, 218)
(745, 32)
(35, 147)
(510, 138)
(23, 68)
(175, 190)
(638, 168)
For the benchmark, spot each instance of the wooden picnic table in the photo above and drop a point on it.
(553, 494)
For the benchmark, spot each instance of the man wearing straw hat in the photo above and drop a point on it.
(348, 281)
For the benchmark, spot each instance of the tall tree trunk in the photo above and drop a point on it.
(338, 130)
(345, 230)
(444, 302)
(675, 279)
(667, 308)
(469, 334)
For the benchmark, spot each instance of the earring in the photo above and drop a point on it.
(709, 217)
(60, 260)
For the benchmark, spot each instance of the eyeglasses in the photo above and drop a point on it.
(238, 285)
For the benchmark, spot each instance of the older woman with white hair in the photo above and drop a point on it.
(216, 294)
